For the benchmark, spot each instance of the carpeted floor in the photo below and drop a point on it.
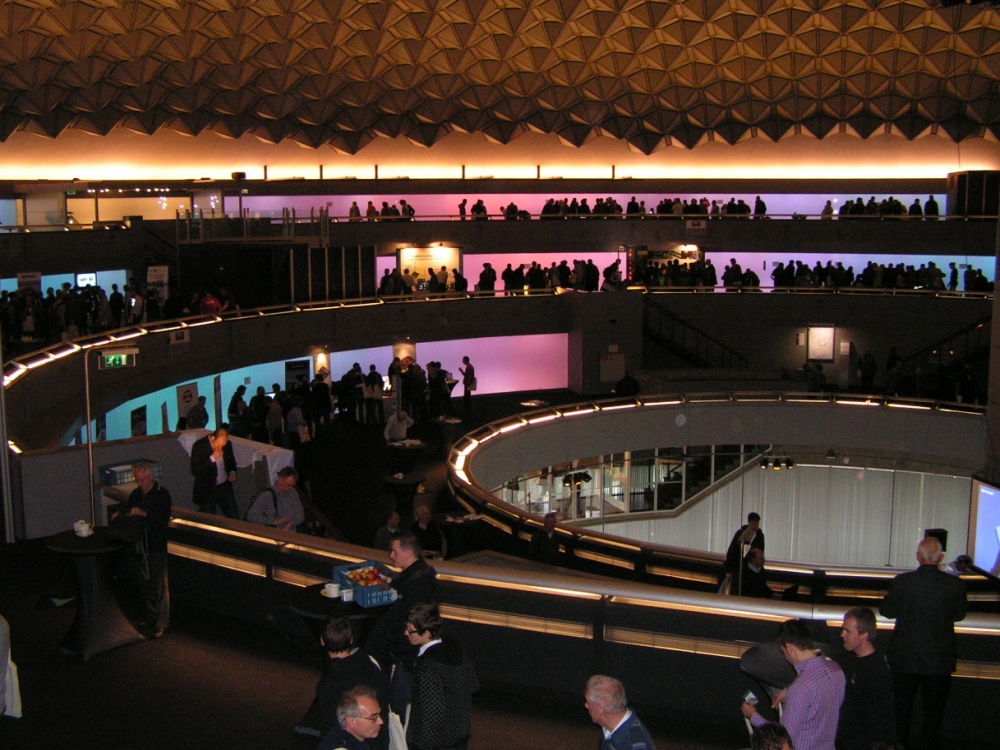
(218, 683)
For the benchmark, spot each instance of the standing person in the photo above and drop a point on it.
(544, 542)
(279, 505)
(384, 536)
(374, 410)
(346, 666)
(117, 304)
(469, 384)
(866, 715)
(488, 279)
(608, 708)
(444, 682)
(359, 719)
(235, 412)
(197, 416)
(462, 209)
(748, 535)
(926, 603)
(149, 507)
(213, 465)
(812, 702)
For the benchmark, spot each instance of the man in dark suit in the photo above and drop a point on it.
(213, 465)
(926, 604)
(748, 535)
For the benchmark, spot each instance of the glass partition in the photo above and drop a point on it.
(654, 479)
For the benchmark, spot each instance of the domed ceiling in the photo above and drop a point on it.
(341, 73)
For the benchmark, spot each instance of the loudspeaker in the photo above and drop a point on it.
(940, 534)
(239, 176)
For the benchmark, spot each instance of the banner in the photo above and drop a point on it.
(139, 422)
(165, 416)
(187, 396)
(158, 278)
(293, 369)
(219, 421)
(30, 280)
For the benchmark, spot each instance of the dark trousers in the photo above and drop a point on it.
(222, 497)
(933, 690)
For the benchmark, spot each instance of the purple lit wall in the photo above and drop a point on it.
(505, 364)
(446, 206)
(764, 263)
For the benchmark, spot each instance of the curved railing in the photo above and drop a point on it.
(594, 551)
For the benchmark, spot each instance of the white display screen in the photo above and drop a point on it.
(984, 527)
(85, 279)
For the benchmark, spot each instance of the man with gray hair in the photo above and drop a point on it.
(926, 603)
(360, 717)
(608, 708)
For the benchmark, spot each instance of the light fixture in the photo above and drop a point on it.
(763, 462)
(789, 463)
(831, 455)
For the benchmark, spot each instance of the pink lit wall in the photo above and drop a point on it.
(505, 364)
(445, 206)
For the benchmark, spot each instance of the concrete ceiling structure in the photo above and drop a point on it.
(341, 73)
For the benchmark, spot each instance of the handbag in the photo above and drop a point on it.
(474, 385)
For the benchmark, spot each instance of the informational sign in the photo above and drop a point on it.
(86, 279)
(138, 420)
(695, 226)
(419, 259)
(30, 280)
(293, 370)
(180, 339)
(821, 341)
(187, 396)
(158, 278)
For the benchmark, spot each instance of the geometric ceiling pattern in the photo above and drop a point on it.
(341, 73)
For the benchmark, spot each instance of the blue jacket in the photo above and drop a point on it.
(631, 735)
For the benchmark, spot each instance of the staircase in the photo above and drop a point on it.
(685, 341)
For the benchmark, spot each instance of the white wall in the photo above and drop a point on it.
(826, 515)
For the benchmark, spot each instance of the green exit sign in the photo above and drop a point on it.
(116, 359)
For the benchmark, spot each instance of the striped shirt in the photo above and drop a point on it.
(812, 705)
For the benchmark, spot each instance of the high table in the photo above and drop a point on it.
(404, 453)
(99, 624)
(404, 487)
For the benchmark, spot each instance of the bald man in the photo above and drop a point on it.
(926, 604)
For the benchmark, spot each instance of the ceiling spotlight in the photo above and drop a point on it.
(789, 463)
(763, 462)
(831, 455)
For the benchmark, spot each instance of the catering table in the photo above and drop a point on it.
(403, 488)
(310, 603)
(99, 624)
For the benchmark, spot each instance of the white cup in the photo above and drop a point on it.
(85, 529)
(347, 595)
(331, 590)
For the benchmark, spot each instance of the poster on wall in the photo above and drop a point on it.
(138, 421)
(293, 370)
(187, 396)
(419, 259)
(30, 280)
(158, 278)
(820, 343)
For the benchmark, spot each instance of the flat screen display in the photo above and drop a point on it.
(984, 526)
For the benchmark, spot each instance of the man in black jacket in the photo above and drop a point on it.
(866, 715)
(749, 535)
(416, 584)
(926, 604)
(213, 465)
(148, 507)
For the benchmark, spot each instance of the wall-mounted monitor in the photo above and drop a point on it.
(984, 526)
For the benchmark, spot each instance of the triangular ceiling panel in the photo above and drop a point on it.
(646, 72)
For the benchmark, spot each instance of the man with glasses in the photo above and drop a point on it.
(360, 718)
